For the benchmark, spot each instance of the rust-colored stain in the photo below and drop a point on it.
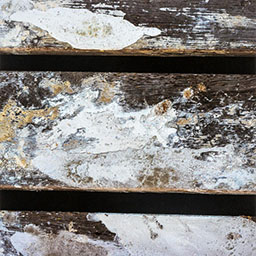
(21, 161)
(188, 93)
(251, 218)
(57, 87)
(107, 92)
(62, 87)
(13, 117)
(184, 121)
(162, 107)
(160, 177)
(190, 120)
(73, 174)
(201, 87)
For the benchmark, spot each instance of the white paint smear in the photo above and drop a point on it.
(84, 29)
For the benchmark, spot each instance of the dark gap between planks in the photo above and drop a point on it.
(151, 203)
(197, 65)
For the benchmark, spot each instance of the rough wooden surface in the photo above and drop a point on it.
(138, 27)
(128, 132)
(45, 233)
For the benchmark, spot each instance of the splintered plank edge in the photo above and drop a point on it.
(167, 27)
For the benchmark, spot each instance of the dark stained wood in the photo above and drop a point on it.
(184, 27)
(128, 132)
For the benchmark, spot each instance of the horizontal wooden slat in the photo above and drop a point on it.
(49, 233)
(128, 132)
(166, 27)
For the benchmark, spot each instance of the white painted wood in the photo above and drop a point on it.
(134, 234)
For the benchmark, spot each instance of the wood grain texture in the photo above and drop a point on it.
(166, 27)
(57, 233)
(128, 132)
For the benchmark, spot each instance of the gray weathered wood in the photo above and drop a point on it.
(128, 132)
(50, 233)
(166, 27)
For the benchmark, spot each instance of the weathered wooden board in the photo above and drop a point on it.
(138, 27)
(128, 132)
(45, 233)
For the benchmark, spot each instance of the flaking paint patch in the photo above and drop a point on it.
(83, 29)
(56, 86)
(204, 19)
(13, 117)
(8, 7)
(204, 16)
(108, 9)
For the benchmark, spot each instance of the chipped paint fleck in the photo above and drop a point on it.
(57, 86)
(22, 162)
(188, 93)
(71, 227)
(201, 87)
(162, 107)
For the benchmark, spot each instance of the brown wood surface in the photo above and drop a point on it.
(61, 234)
(194, 27)
(128, 132)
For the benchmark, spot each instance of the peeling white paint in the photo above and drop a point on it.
(95, 143)
(141, 234)
(104, 129)
(117, 13)
(113, 147)
(83, 29)
(65, 243)
(14, 37)
(8, 7)
(181, 235)
(204, 18)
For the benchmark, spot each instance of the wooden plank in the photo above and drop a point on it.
(138, 27)
(50, 233)
(128, 132)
